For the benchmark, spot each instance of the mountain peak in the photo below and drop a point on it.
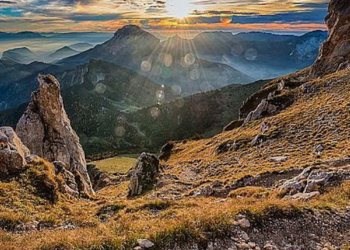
(129, 30)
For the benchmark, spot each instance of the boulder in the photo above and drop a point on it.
(265, 107)
(12, 152)
(100, 179)
(46, 130)
(144, 243)
(144, 175)
(335, 52)
(313, 180)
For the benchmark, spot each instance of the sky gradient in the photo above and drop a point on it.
(163, 15)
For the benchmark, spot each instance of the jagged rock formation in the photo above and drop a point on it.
(45, 129)
(100, 179)
(335, 52)
(143, 175)
(70, 186)
(12, 152)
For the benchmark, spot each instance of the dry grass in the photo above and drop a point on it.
(116, 164)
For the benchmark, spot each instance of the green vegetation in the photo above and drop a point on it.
(116, 164)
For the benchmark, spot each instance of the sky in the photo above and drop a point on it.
(163, 15)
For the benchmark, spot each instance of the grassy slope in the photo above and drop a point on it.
(320, 117)
(116, 164)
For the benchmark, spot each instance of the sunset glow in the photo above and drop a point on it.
(107, 15)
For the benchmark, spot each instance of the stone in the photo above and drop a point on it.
(144, 243)
(70, 186)
(100, 179)
(244, 223)
(335, 52)
(298, 183)
(12, 152)
(319, 149)
(46, 130)
(144, 175)
(316, 180)
(263, 108)
(305, 196)
(279, 159)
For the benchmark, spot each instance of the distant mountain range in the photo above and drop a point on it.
(62, 53)
(260, 55)
(136, 49)
(18, 56)
(20, 35)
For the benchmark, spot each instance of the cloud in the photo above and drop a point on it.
(108, 14)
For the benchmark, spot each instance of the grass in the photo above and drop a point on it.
(120, 164)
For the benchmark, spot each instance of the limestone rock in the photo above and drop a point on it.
(263, 108)
(46, 130)
(143, 176)
(12, 152)
(314, 180)
(100, 179)
(305, 196)
(70, 186)
(144, 243)
(335, 52)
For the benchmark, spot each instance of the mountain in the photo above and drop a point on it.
(136, 49)
(261, 55)
(19, 55)
(20, 35)
(81, 46)
(200, 115)
(62, 53)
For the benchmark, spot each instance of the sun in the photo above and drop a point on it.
(179, 8)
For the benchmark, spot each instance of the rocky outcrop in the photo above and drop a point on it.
(265, 107)
(100, 179)
(144, 175)
(313, 180)
(335, 52)
(46, 130)
(69, 185)
(12, 152)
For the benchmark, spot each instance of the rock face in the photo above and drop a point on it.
(143, 175)
(45, 129)
(100, 179)
(335, 52)
(263, 108)
(313, 180)
(12, 152)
